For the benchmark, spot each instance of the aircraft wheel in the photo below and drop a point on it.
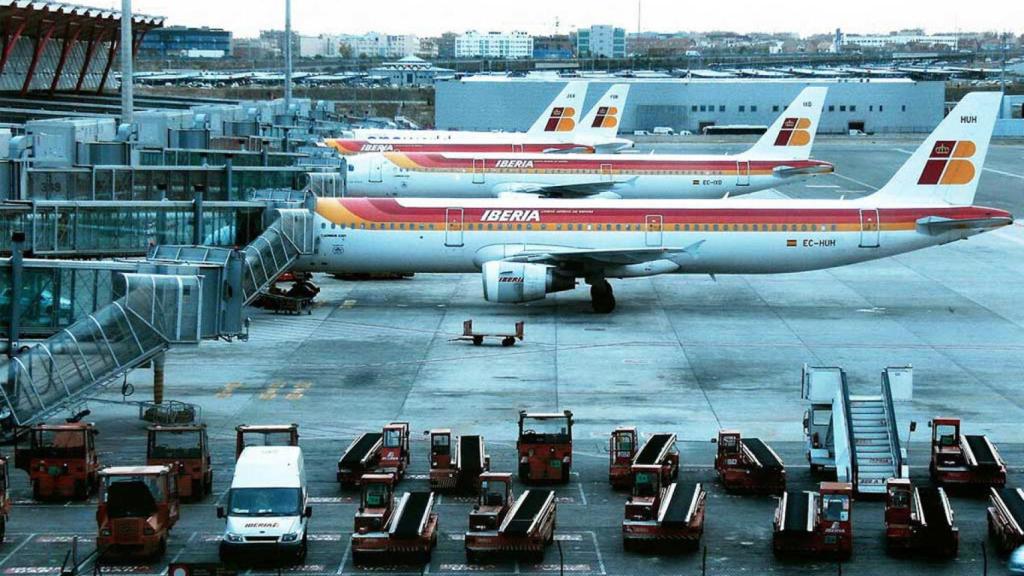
(602, 297)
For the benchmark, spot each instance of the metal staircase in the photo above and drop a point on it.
(862, 444)
(875, 461)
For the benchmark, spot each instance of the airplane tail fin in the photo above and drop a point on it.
(791, 136)
(604, 118)
(562, 115)
(947, 166)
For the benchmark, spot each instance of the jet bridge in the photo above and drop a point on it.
(179, 295)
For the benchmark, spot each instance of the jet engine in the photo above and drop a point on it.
(512, 282)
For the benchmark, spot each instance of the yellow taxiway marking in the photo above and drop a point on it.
(271, 391)
(228, 390)
(298, 390)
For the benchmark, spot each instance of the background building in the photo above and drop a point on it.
(658, 45)
(446, 46)
(601, 41)
(901, 38)
(323, 46)
(179, 41)
(556, 46)
(876, 105)
(376, 45)
(409, 71)
(509, 45)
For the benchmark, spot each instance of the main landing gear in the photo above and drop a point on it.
(601, 296)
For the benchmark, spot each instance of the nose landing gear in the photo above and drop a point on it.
(601, 296)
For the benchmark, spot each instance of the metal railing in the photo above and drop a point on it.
(894, 436)
(847, 426)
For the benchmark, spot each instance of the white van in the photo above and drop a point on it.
(267, 512)
(664, 131)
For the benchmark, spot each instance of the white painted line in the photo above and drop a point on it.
(1003, 173)
(855, 181)
(16, 548)
(344, 558)
(822, 186)
(187, 544)
(597, 550)
(1011, 237)
(583, 497)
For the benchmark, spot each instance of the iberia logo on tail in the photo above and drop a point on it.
(794, 132)
(607, 117)
(949, 163)
(561, 120)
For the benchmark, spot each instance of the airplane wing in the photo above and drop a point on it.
(582, 189)
(601, 257)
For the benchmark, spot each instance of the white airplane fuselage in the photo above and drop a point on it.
(400, 175)
(734, 236)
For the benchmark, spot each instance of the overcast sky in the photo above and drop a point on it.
(432, 17)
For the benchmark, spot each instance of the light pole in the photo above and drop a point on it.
(127, 74)
(287, 56)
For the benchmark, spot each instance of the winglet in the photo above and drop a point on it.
(562, 115)
(791, 136)
(947, 166)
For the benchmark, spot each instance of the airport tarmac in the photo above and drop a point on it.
(681, 354)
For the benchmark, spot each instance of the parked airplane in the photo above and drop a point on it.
(527, 249)
(558, 129)
(780, 156)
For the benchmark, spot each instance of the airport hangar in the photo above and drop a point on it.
(875, 105)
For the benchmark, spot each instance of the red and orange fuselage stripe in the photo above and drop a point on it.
(387, 213)
(626, 165)
(356, 146)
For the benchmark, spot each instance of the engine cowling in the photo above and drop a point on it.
(512, 282)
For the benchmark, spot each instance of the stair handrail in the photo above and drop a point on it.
(894, 436)
(844, 398)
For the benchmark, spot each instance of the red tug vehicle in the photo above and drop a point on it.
(1006, 517)
(458, 469)
(963, 460)
(660, 516)
(501, 526)
(61, 460)
(919, 520)
(621, 450)
(385, 531)
(385, 452)
(137, 509)
(748, 465)
(818, 524)
(659, 449)
(545, 447)
(186, 450)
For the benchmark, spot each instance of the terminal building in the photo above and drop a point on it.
(887, 105)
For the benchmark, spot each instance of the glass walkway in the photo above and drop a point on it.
(145, 315)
